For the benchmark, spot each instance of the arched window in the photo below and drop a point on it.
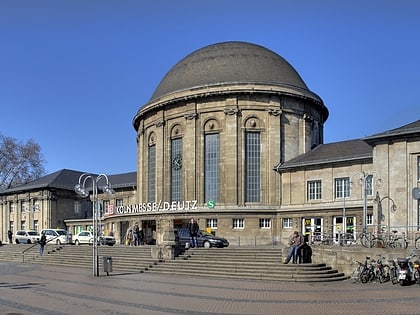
(152, 174)
(176, 169)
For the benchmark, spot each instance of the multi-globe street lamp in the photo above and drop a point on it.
(83, 191)
(366, 181)
(391, 208)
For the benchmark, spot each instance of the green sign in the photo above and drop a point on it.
(211, 204)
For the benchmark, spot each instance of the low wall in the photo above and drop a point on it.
(344, 258)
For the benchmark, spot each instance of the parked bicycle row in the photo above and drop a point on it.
(402, 270)
(394, 239)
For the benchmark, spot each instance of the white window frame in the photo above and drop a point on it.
(238, 223)
(265, 223)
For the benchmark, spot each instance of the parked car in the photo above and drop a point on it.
(26, 237)
(83, 237)
(57, 236)
(204, 239)
(106, 240)
(86, 237)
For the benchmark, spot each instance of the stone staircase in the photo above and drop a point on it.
(252, 263)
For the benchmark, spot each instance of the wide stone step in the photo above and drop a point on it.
(232, 262)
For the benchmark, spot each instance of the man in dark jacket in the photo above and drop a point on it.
(193, 228)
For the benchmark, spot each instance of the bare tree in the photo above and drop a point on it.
(19, 162)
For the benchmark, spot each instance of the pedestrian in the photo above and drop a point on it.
(305, 252)
(10, 236)
(193, 228)
(136, 234)
(129, 237)
(42, 241)
(296, 241)
(141, 237)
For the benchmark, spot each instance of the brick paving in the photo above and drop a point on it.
(36, 289)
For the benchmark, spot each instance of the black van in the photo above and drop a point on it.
(204, 239)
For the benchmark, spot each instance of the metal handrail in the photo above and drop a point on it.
(30, 247)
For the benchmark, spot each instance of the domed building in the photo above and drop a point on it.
(213, 132)
(233, 137)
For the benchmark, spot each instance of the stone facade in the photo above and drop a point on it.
(273, 173)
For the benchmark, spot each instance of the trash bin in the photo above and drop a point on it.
(107, 262)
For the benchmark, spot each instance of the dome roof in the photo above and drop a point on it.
(229, 62)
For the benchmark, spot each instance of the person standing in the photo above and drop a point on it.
(136, 234)
(42, 241)
(193, 228)
(296, 241)
(10, 236)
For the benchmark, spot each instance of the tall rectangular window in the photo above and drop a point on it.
(211, 167)
(342, 187)
(176, 164)
(105, 204)
(369, 185)
(77, 206)
(418, 168)
(314, 190)
(152, 174)
(252, 166)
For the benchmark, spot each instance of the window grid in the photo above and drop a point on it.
(119, 202)
(418, 168)
(152, 174)
(265, 223)
(211, 167)
(238, 223)
(252, 161)
(369, 219)
(176, 176)
(211, 223)
(314, 190)
(342, 187)
(369, 185)
(287, 223)
(106, 204)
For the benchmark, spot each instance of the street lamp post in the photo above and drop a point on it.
(392, 208)
(366, 180)
(82, 191)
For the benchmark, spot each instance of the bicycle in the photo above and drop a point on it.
(365, 239)
(364, 272)
(417, 242)
(355, 276)
(382, 271)
(395, 241)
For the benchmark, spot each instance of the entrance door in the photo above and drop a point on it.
(149, 230)
(313, 229)
(343, 232)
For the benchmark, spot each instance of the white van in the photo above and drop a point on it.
(57, 236)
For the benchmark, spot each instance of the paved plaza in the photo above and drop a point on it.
(36, 289)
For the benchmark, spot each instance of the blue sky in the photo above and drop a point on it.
(74, 73)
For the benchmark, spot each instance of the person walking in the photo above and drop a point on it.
(42, 241)
(296, 241)
(10, 236)
(193, 228)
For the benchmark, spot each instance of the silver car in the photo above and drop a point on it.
(26, 237)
